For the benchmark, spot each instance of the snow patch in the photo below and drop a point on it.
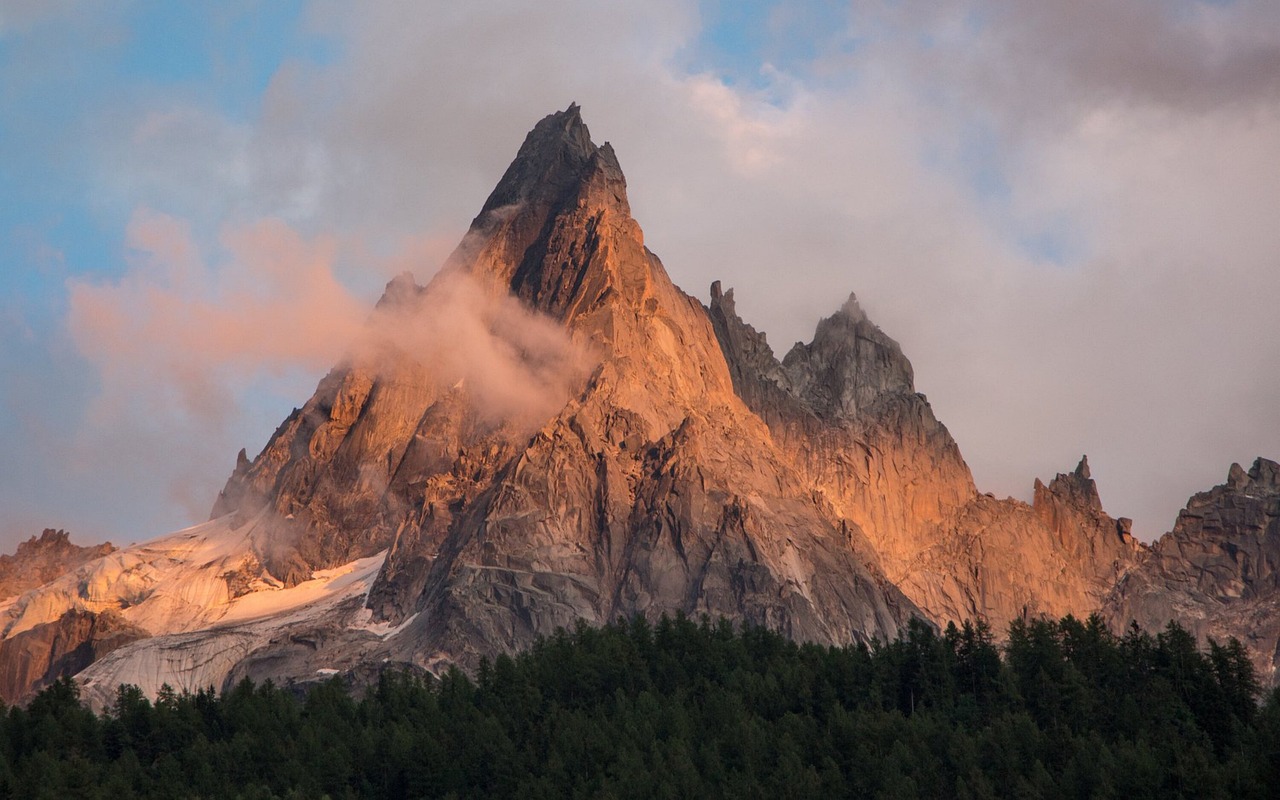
(384, 630)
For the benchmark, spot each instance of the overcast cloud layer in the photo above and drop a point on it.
(1064, 212)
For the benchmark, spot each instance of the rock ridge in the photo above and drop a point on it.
(1217, 572)
(39, 560)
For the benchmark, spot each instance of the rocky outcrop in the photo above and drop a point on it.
(1217, 573)
(1103, 547)
(844, 412)
(35, 658)
(324, 477)
(38, 561)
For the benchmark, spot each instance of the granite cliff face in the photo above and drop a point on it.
(844, 411)
(35, 658)
(552, 431)
(1217, 573)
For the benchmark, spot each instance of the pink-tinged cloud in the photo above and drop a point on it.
(180, 345)
(176, 329)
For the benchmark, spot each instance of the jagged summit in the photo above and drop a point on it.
(39, 560)
(650, 487)
(557, 231)
(400, 291)
(849, 366)
(554, 155)
(1264, 476)
(1218, 571)
(557, 154)
(1075, 488)
(852, 309)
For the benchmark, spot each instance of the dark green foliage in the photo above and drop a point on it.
(685, 709)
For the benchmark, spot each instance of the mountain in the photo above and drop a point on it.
(844, 411)
(65, 645)
(38, 561)
(1218, 571)
(552, 431)
(651, 489)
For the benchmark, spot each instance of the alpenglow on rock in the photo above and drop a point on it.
(651, 488)
(551, 431)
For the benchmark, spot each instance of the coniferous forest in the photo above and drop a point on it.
(679, 708)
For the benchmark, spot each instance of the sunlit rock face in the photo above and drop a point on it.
(651, 488)
(34, 658)
(67, 639)
(844, 412)
(1217, 572)
(654, 489)
(40, 560)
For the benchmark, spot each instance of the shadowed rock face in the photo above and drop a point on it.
(35, 658)
(1217, 572)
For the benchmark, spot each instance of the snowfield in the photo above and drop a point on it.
(204, 598)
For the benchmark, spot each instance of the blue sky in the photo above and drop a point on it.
(1058, 226)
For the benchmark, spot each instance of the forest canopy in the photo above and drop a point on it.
(678, 708)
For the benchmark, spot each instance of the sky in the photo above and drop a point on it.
(1066, 213)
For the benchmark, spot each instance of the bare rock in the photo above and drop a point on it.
(40, 560)
(1217, 573)
(37, 657)
(844, 412)
(651, 489)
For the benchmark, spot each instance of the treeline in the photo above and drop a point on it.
(686, 709)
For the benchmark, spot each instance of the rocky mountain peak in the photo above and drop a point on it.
(386, 445)
(850, 366)
(555, 156)
(1263, 477)
(1218, 571)
(400, 292)
(852, 311)
(39, 560)
(757, 376)
(557, 232)
(1074, 489)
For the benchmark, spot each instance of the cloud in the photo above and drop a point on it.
(515, 366)
(175, 330)
(179, 345)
